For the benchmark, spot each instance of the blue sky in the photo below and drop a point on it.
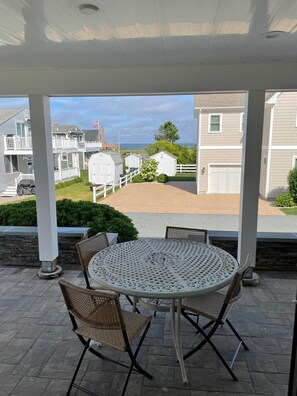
(128, 119)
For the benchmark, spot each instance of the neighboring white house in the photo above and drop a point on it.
(134, 161)
(70, 150)
(105, 167)
(166, 163)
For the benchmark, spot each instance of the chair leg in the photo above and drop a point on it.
(134, 362)
(78, 366)
(237, 335)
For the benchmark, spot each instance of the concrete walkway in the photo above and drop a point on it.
(179, 197)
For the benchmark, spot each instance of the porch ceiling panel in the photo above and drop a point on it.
(131, 34)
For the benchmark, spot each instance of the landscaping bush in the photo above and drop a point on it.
(162, 178)
(137, 179)
(67, 183)
(148, 170)
(284, 200)
(292, 182)
(98, 218)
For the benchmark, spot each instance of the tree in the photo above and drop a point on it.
(184, 154)
(167, 132)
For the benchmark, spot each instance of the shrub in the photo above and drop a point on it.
(137, 179)
(98, 218)
(292, 182)
(148, 170)
(284, 200)
(67, 183)
(162, 178)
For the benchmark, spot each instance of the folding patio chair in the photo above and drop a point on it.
(86, 249)
(98, 316)
(193, 234)
(216, 306)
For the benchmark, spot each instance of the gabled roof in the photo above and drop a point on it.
(166, 152)
(222, 100)
(91, 135)
(60, 128)
(7, 114)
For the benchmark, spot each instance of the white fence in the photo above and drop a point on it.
(186, 168)
(103, 189)
(64, 174)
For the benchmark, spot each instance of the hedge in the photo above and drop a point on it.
(98, 218)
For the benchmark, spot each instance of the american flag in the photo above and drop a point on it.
(96, 125)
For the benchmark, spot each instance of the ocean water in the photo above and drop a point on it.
(142, 146)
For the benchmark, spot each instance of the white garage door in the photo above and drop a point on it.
(224, 179)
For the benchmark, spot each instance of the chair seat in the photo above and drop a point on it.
(207, 305)
(135, 323)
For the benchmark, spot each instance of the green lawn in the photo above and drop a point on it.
(290, 211)
(183, 177)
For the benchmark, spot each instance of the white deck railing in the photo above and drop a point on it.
(25, 143)
(59, 175)
(103, 189)
(186, 168)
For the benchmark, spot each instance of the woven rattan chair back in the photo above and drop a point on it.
(100, 310)
(235, 289)
(198, 235)
(87, 248)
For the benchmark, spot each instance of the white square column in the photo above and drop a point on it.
(250, 175)
(44, 180)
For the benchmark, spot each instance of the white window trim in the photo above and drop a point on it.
(296, 121)
(241, 122)
(293, 161)
(209, 122)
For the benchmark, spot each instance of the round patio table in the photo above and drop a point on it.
(164, 269)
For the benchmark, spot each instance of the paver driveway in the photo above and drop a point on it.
(178, 197)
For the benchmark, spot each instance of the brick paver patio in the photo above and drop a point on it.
(38, 351)
(178, 197)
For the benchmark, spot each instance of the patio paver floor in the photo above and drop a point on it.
(38, 351)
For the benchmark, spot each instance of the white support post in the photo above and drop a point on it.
(45, 185)
(94, 194)
(60, 165)
(250, 175)
(104, 190)
(113, 186)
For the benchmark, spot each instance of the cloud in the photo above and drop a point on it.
(133, 119)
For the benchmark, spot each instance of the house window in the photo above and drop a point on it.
(215, 123)
(295, 162)
(64, 157)
(242, 122)
(11, 163)
(20, 129)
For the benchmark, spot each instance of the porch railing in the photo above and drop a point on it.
(186, 168)
(103, 189)
(25, 143)
(59, 175)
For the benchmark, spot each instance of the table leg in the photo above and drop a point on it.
(175, 324)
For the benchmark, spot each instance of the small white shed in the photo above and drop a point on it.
(135, 161)
(166, 163)
(105, 167)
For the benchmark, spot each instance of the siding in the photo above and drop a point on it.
(280, 165)
(212, 157)
(230, 135)
(284, 125)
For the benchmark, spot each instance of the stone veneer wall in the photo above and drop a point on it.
(22, 250)
(270, 255)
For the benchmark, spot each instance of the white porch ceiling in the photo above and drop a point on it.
(166, 36)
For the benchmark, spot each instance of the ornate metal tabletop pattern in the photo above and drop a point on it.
(164, 268)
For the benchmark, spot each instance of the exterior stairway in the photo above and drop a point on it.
(10, 191)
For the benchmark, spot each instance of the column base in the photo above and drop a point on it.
(250, 278)
(50, 275)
